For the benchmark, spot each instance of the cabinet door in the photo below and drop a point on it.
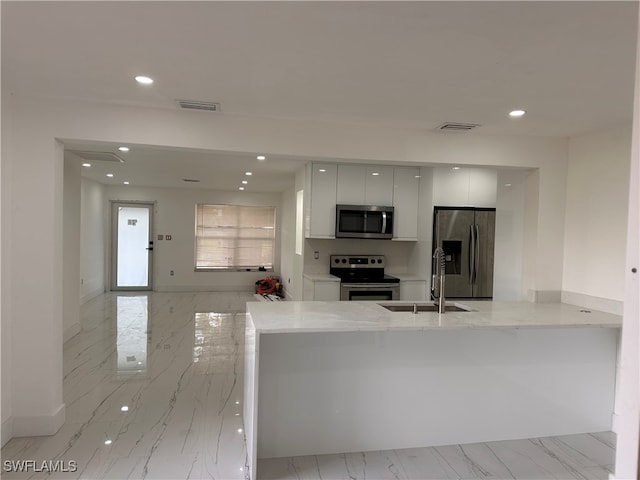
(323, 201)
(351, 184)
(406, 188)
(327, 291)
(378, 186)
(483, 187)
(451, 187)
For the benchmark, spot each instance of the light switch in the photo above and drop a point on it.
(167, 237)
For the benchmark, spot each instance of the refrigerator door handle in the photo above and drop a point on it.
(476, 265)
(472, 254)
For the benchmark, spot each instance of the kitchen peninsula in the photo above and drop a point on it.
(330, 377)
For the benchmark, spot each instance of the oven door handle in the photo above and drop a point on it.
(369, 285)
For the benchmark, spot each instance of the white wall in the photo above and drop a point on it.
(6, 334)
(71, 245)
(36, 249)
(93, 243)
(596, 217)
(288, 242)
(508, 279)
(628, 400)
(175, 215)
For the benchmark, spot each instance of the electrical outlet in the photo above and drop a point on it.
(171, 273)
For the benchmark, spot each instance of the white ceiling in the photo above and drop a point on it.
(403, 64)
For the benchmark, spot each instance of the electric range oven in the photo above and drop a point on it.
(362, 277)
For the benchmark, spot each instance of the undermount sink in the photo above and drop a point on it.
(423, 307)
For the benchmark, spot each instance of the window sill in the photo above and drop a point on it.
(224, 270)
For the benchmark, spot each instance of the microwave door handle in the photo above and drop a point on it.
(384, 222)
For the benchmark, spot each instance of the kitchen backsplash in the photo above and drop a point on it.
(397, 254)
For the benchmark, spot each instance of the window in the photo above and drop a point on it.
(234, 237)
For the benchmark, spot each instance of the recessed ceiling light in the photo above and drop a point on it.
(240, 188)
(517, 113)
(244, 182)
(126, 183)
(110, 175)
(322, 170)
(108, 442)
(418, 176)
(375, 174)
(507, 184)
(261, 157)
(248, 174)
(144, 80)
(124, 408)
(455, 168)
(86, 164)
(123, 149)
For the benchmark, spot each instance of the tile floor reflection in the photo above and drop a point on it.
(153, 389)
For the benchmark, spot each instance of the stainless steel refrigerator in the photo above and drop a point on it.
(467, 236)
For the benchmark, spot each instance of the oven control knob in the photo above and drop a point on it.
(379, 260)
(337, 260)
(344, 260)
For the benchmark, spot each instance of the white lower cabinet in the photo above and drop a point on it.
(413, 290)
(321, 290)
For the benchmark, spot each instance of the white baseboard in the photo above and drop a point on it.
(71, 332)
(35, 426)
(614, 422)
(91, 295)
(607, 305)
(7, 430)
(205, 288)
(547, 296)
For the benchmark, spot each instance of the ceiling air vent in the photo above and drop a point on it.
(98, 156)
(196, 105)
(457, 127)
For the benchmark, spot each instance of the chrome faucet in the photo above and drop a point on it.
(437, 278)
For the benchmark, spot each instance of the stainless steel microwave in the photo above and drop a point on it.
(364, 221)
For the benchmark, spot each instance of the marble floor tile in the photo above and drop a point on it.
(153, 387)
(153, 390)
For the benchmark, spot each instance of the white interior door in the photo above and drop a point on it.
(132, 246)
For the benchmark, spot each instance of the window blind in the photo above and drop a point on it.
(234, 237)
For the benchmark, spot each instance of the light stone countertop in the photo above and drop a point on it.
(407, 277)
(321, 277)
(291, 317)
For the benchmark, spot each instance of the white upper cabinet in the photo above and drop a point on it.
(378, 186)
(351, 184)
(332, 184)
(365, 185)
(406, 187)
(483, 187)
(465, 187)
(322, 219)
